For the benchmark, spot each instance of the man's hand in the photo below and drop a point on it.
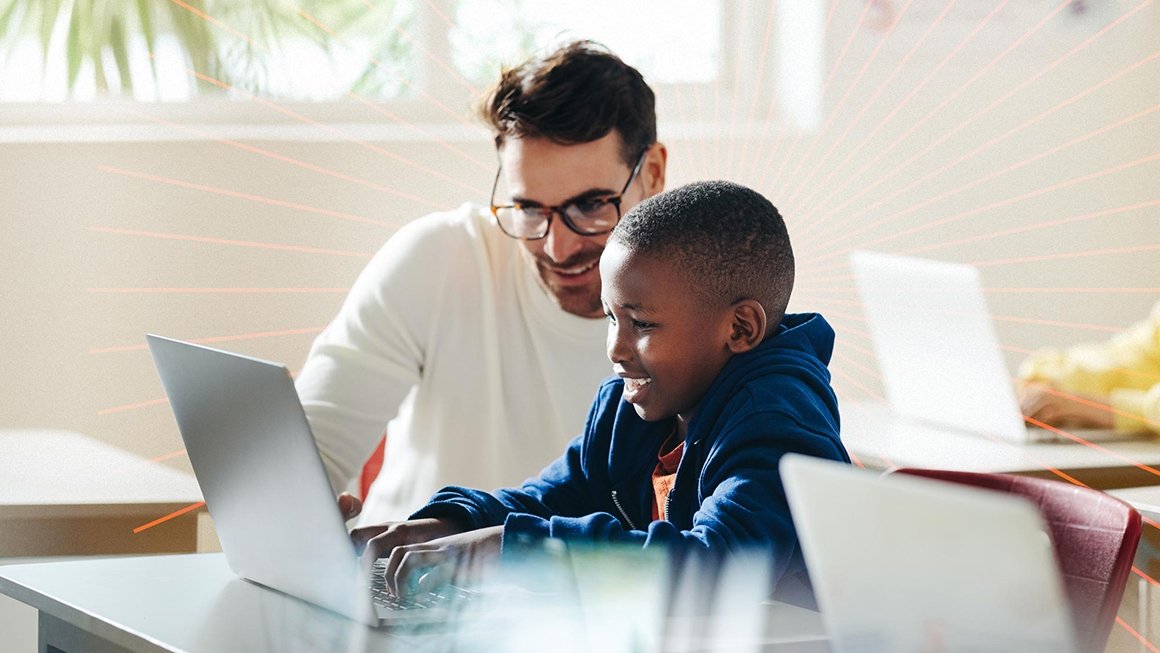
(349, 505)
(455, 559)
(1040, 402)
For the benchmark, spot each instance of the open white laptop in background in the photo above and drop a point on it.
(902, 564)
(937, 349)
(264, 483)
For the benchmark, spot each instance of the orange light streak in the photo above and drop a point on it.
(1136, 570)
(334, 34)
(1092, 445)
(808, 201)
(1023, 451)
(858, 384)
(460, 79)
(845, 315)
(1132, 631)
(948, 100)
(840, 302)
(140, 404)
(214, 291)
(1001, 137)
(855, 459)
(172, 515)
(1070, 325)
(1052, 257)
(994, 174)
(439, 12)
(373, 106)
(286, 159)
(808, 156)
(858, 332)
(377, 108)
(336, 131)
(807, 292)
(776, 150)
(1073, 290)
(751, 111)
(874, 374)
(850, 124)
(1035, 227)
(213, 339)
(926, 226)
(247, 196)
(168, 456)
(219, 24)
(1107, 408)
(868, 6)
(234, 243)
(846, 344)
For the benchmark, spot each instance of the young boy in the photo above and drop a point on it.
(714, 383)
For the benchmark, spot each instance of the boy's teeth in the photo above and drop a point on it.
(636, 384)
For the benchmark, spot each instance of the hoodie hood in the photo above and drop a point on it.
(795, 358)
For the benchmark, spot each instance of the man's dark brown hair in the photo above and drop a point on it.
(576, 94)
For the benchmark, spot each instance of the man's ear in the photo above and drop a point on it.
(748, 325)
(652, 172)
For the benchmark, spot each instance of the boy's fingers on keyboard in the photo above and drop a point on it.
(407, 566)
(373, 541)
(377, 541)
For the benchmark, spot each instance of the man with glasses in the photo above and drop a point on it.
(479, 335)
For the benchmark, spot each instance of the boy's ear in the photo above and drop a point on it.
(748, 326)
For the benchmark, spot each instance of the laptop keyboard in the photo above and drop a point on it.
(384, 599)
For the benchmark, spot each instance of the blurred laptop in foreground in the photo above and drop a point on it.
(904, 564)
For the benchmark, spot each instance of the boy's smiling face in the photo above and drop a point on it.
(663, 340)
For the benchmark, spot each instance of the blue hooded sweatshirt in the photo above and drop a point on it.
(727, 495)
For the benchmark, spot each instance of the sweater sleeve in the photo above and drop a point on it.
(361, 367)
(1125, 370)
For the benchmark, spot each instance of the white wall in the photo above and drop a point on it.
(57, 190)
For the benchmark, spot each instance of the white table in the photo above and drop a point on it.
(194, 603)
(881, 439)
(63, 493)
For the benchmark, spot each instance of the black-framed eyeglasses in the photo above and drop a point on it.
(588, 217)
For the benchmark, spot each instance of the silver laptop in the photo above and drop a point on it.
(265, 486)
(937, 349)
(905, 564)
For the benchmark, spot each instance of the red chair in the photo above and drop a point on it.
(1094, 536)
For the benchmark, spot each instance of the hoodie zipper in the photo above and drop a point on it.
(616, 502)
(668, 500)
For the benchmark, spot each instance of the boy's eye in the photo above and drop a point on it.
(642, 325)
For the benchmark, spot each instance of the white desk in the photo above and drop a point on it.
(194, 603)
(64, 493)
(1145, 499)
(881, 439)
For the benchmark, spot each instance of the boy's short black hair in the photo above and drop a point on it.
(575, 94)
(730, 241)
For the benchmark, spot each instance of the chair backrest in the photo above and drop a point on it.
(1094, 536)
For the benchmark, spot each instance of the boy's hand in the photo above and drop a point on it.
(455, 559)
(374, 542)
(1039, 401)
